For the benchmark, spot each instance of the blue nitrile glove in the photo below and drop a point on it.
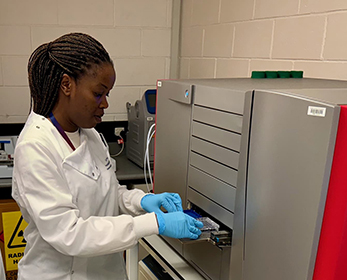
(170, 201)
(178, 225)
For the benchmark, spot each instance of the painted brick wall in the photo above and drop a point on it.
(136, 33)
(231, 38)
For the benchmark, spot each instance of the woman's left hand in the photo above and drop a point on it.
(170, 201)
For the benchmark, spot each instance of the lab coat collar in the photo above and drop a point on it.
(82, 160)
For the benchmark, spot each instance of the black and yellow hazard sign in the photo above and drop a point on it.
(13, 227)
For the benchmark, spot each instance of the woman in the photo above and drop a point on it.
(79, 218)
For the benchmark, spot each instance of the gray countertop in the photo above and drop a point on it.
(5, 182)
(126, 170)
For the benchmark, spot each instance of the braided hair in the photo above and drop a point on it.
(71, 54)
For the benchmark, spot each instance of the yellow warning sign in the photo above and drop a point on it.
(13, 226)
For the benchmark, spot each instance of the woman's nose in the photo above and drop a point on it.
(104, 102)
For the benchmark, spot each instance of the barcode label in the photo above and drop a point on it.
(316, 111)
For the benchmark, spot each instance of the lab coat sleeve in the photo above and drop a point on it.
(129, 201)
(45, 195)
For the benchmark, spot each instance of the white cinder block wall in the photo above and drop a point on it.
(136, 33)
(219, 38)
(231, 38)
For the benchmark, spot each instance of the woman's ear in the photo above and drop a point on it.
(66, 84)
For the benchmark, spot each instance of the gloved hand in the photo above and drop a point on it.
(178, 225)
(170, 201)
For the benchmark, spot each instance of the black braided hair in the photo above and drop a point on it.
(71, 54)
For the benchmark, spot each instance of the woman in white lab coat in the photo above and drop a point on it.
(79, 218)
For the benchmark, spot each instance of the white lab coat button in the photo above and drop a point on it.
(72, 272)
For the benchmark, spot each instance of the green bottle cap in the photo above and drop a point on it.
(296, 74)
(258, 75)
(271, 74)
(284, 74)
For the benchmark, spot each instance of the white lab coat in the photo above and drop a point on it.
(74, 206)
(2, 269)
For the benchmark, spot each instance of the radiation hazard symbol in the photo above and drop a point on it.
(17, 238)
(13, 226)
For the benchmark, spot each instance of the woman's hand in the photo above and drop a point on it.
(178, 225)
(170, 201)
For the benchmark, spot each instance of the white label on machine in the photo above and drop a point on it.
(316, 111)
(159, 83)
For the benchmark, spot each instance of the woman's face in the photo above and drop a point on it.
(89, 93)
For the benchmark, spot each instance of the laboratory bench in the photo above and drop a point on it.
(127, 172)
(5, 182)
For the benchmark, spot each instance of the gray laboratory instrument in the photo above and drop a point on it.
(258, 157)
(141, 117)
(7, 146)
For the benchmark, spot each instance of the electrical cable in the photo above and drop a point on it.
(146, 162)
(121, 150)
